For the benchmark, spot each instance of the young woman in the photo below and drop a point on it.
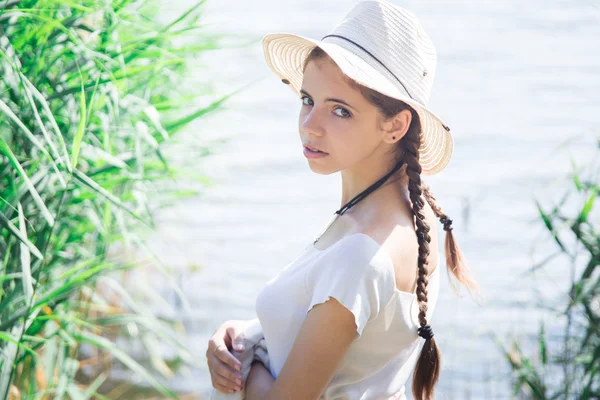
(345, 319)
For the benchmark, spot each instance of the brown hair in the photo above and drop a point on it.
(427, 369)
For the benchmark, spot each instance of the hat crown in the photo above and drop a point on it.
(393, 41)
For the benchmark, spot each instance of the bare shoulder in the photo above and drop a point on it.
(396, 234)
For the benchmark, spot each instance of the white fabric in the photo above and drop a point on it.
(360, 275)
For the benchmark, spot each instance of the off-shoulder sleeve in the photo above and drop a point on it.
(358, 274)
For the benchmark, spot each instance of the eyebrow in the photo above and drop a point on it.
(331, 99)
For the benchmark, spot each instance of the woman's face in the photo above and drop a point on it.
(336, 119)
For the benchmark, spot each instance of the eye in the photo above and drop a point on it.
(348, 115)
(305, 97)
(345, 113)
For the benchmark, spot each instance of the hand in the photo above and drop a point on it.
(223, 366)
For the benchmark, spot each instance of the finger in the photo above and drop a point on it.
(213, 342)
(220, 375)
(225, 372)
(225, 339)
(220, 336)
(237, 338)
(223, 389)
(218, 367)
(223, 384)
(226, 384)
(226, 357)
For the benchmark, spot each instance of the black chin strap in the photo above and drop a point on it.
(368, 190)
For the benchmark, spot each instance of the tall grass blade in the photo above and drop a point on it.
(26, 278)
(103, 343)
(17, 233)
(6, 110)
(550, 226)
(100, 190)
(588, 206)
(40, 98)
(80, 129)
(34, 193)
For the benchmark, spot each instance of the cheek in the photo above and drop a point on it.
(356, 141)
(302, 112)
(347, 148)
(301, 117)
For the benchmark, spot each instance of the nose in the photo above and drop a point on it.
(310, 123)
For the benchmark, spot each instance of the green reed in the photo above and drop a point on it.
(569, 367)
(90, 93)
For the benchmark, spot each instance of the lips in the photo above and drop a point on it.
(314, 149)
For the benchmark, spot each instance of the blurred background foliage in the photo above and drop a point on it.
(90, 91)
(568, 366)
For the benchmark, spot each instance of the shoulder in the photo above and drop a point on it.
(355, 259)
(397, 238)
(357, 274)
(359, 251)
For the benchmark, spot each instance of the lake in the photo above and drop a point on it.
(517, 82)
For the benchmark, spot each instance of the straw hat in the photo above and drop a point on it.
(381, 46)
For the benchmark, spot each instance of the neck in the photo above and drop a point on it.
(353, 185)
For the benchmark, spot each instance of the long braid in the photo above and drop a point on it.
(413, 170)
(455, 260)
(427, 369)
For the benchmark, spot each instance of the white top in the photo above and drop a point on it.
(359, 273)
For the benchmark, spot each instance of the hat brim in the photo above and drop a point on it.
(285, 54)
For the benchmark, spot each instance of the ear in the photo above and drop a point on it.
(396, 127)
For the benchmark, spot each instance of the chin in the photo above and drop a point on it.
(321, 169)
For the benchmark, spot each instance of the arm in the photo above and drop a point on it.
(259, 382)
(323, 340)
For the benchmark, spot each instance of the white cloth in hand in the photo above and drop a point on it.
(255, 348)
